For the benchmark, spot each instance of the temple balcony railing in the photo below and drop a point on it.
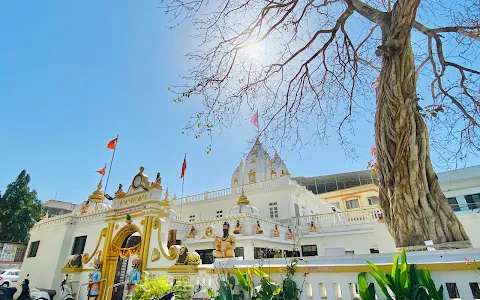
(236, 190)
(336, 218)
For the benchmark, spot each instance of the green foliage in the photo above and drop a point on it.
(290, 290)
(183, 290)
(150, 287)
(20, 209)
(404, 282)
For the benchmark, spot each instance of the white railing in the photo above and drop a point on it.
(356, 216)
(236, 190)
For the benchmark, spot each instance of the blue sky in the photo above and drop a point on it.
(74, 74)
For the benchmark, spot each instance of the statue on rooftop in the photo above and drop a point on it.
(276, 233)
(313, 228)
(290, 234)
(258, 229)
(191, 234)
(85, 207)
(120, 193)
(188, 258)
(238, 228)
(225, 245)
(158, 181)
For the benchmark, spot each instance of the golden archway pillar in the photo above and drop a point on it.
(145, 241)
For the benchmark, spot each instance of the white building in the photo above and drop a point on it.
(262, 199)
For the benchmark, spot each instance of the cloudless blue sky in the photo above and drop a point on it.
(74, 74)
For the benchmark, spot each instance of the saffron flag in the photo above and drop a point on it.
(184, 167)
(112, 144)
(254, 119)
(102, 171)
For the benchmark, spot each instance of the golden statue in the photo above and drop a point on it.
(191, 234)
(225, 245)
(158, 181)
(313, 228)
(276, 233)
(188, 258)
(120, 193)
(45, 216)
(258, 230)
(290, 234)
(85, 207)
(238, 228)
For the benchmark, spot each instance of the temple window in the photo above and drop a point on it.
(273, 210)
(192, 218)
(351, 204)
(33, 249)
(219, 213)
(373, 200)
(79, 244)
(309, 250)
(235, 181)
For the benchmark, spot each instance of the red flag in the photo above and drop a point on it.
(184, 166)
(112, 144)
(254, 119)
(102, 171)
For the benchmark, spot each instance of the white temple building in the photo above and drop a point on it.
(267, 211)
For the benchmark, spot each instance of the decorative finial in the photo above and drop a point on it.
(97, 196)
(243, 199)
(166, 194)
(276, 155)
(241, 162)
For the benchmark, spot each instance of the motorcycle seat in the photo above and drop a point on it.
(52, 293)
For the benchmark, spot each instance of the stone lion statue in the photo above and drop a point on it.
(75, 262)
(188, 258)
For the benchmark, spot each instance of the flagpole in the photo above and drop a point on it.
(110, 168)
(183, 182)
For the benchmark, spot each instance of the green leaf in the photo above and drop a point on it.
(366, 290)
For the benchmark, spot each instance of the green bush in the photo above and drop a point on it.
(150, 287)
(183, 290)
(404, 282)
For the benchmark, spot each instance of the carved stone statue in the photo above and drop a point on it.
(191, 234)
(188, 258)
(238, 228)
(276, 233)
(258, 229)
(120, 193)
(225, 245)
(158, 181)
(290, 234)
(75, 262)
(313, 228)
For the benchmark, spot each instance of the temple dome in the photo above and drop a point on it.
(243, 206)
(258, 167)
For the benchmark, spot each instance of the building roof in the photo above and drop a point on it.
(459, 174)
(327, 183)
(59, 204)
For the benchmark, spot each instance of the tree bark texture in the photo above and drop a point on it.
(415, 208)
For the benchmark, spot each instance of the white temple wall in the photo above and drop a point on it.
(44, 267)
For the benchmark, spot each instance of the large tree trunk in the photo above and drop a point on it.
(415, 208)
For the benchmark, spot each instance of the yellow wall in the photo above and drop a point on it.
(361, 193)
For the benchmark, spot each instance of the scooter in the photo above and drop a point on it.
(6, 293)
(66, 293)
(36, 294)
